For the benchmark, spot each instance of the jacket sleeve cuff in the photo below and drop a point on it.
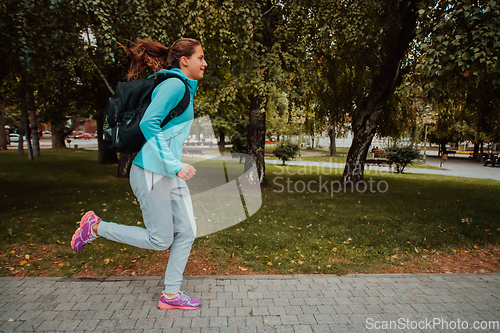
(178, 167)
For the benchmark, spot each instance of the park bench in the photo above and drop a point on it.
(268, 154)
(491, 159)
(193, 152)
(381, 163)
(378, 153)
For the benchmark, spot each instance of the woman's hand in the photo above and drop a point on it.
(186, 172)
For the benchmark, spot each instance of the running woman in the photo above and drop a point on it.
(157, 177)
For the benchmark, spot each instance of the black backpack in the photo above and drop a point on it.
(124, 111)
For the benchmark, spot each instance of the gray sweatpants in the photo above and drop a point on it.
(167, 211)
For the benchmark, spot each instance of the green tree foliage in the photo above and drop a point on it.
(239, 137)
(333, 60)
(460, 64)
(39, 41)
(376, 35)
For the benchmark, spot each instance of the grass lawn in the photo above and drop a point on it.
(419, 223)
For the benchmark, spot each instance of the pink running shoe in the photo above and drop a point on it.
(84, 234)
(181, 301)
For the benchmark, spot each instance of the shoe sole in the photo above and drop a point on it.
(73, 239)
(166, 307)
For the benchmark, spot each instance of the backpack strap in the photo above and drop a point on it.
(183, 104)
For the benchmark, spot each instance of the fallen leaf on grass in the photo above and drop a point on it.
(106, 261)
(24, 262)
(243, 269)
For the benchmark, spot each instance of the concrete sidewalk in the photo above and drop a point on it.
(270, 303)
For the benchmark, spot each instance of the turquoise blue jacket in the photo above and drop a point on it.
(162, 151)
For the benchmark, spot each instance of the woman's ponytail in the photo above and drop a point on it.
(145, 54)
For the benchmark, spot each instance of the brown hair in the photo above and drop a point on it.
(183, 47)
(148, 54)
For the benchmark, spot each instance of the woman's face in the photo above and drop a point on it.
(194, 66)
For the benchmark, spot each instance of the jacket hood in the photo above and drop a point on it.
(192, 84)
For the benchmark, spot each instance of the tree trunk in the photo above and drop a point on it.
(105, 155)
(333, 146)
(475, 155)
(3, 134)
(21, 132)
(34, 125)
(222, 142)
(125, 164)
(443, 147)
(58, 137)
(256, 139)
(28, 136)
(363, 136)
(58, 133)
(387, 76)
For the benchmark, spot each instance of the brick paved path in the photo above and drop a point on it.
(272, 303)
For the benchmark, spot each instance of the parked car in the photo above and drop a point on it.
(83, 136)
(14, 137)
